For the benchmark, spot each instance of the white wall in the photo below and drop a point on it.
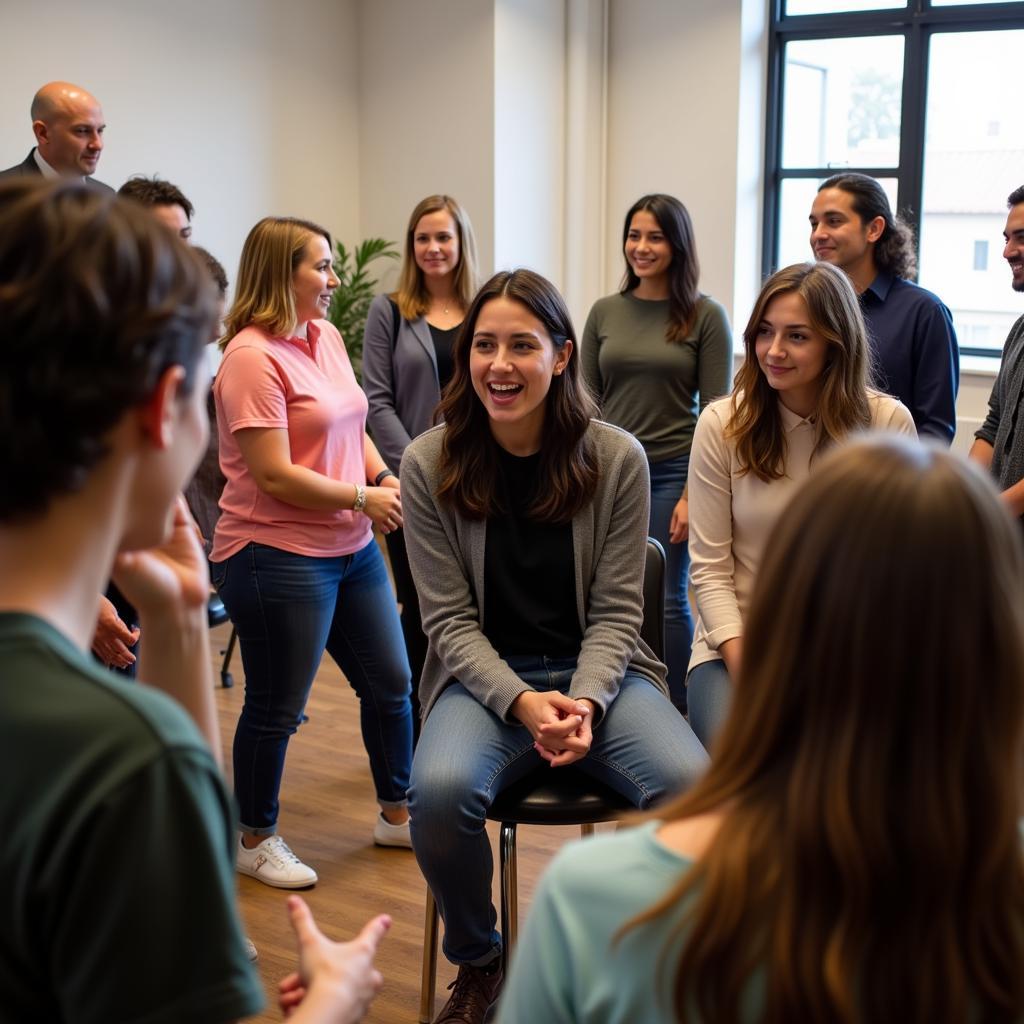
(529, 135)
(249, 106)
(673, 126)
(426, 113)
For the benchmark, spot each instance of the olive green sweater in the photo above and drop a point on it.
(651, 387)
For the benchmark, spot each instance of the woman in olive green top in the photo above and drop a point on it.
(654, 354)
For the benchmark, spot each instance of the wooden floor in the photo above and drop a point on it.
(327, 815)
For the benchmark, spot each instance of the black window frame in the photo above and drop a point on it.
(918, 21)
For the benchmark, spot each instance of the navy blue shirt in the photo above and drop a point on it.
(915, 350)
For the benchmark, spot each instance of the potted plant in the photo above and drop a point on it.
(355, 291)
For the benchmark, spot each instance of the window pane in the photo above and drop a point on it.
(843, 6)
(795, 200)
(974, 158)
(842, 102)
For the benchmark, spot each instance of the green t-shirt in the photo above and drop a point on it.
(651, 387)
(118, 901)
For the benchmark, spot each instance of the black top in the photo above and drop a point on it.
(529, 572)
(444, 341)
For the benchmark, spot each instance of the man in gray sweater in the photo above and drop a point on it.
(999, 443)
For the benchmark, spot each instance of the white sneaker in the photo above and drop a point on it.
(386, 834)
(274, 863)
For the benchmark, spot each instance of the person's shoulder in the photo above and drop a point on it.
(709, 306)
(426, 448)
(720, 410)
(886, 409)
(614, 446)
(1016, 332)
(74, 698)
(581, 869)
(381, 305)
(99, 186)
(251, 337)
(27, 166)
(914, 294)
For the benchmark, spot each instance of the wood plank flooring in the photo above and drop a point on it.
(327, 815)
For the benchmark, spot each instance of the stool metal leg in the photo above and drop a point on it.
(226, 679)
(509, 890)
(428, 984)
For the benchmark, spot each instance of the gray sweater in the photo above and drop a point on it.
(1002, 427)
(446, 553)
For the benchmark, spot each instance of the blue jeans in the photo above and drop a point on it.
(710, 692)
(667, 481)
(467, 755)
(288, 609)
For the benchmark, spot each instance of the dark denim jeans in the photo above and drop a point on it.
(288, 609)
(467, 755)
(667, 481)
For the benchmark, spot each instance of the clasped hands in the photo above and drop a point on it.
(560, 725)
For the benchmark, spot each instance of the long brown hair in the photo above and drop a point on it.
(568, 468)
(412, 297)
(834, 312)
(868, 866)
(684, 272)
(264, 294)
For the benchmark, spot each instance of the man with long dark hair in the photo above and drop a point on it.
(914, 347)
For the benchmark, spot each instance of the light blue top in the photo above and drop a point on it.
(567, 966)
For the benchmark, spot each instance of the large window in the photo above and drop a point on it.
(919, 94)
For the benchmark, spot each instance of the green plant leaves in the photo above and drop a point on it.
(355, 292)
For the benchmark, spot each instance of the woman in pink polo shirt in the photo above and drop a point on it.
(294, 558)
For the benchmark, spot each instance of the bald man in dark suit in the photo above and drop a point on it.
(68, 124)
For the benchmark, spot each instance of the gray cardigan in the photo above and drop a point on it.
(400, 380)
(446, 554)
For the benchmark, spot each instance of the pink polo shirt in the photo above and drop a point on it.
(308, 389)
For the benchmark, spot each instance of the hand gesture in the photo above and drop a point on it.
(170, 577)
(384, 507)
(559, 725)
(112, 638)
(679, 525)
(339, 977)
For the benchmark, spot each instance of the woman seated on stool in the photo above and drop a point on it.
(802, 388)
(527, 525)
(853, 853)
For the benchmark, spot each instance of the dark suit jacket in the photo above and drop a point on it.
(29, 166)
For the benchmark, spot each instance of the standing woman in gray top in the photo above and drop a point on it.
(407, 360)
(655, 354)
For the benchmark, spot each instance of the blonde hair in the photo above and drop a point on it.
(264, 295)
(868, 865)
(412, 297)
(834, 312)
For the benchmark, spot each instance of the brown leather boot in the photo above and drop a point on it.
(475, 991)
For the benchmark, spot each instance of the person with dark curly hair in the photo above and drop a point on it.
(913, 342)
(165, 201)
